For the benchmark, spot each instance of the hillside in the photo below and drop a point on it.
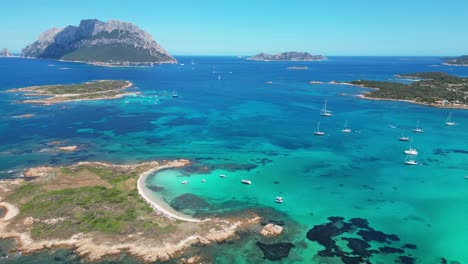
(435, 88)
(113, 42)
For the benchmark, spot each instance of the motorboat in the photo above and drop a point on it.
(246, 182)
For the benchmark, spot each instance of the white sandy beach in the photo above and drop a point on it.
(158, 204)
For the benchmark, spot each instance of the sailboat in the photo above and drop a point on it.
(345, 128)
(174, 94)
(448, 121)
(409, 161)
(317, 131)
(411, 150)
(324, 111)
(417, 129)
(403, 138)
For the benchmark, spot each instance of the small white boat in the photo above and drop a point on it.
(409, 161)
(411, 150)
(174, 94)
(222, 176)
(246, 182)
(317, 131)
(324, 111)
(203, 180)
(184, 182)
(278, 200)
(417, 129)
(448, 121)
(403, 138)
(345, 128)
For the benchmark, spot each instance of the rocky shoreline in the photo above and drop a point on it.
(363, 96)
(94, 246)
(63, 98)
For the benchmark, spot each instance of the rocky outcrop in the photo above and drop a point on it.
(113, 42)
(271, 230)
(68, 148)
(37, 172)
(288, 56)
(5, 53)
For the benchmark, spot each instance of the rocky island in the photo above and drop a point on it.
(5, 53)
(437, 89)
(456, 61)
(112, 43)
(99, 209)
(288, 56)
(97, 90)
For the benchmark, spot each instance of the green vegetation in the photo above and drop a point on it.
(106, 89)
(114, 53)
(82, 88)
(24, 191)
(61, 210)
(462, 60)
(435, 88)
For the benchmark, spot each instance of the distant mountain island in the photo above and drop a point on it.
(288, 56)
(108, 43)
(457, 61)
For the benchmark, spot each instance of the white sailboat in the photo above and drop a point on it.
(174, 94)
(403, 138)
(409, 161)
(411, 150)
(417, 129)
(448, 121)
(345, 128)
(317, 131)
(248, 182)
(324, 111)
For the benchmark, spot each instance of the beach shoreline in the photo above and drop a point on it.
(157, 204)
(93, 246)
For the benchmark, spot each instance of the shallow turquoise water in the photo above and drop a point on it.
(241, 122)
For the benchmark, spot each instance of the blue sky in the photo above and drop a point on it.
(242, 27)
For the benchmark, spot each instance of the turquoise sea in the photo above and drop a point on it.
(229, 120)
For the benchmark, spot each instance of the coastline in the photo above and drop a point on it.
(454, 64)
(363, 96)
(64, 98)
(101, 64)
(158, 204)
(118, 65)
(93, 246)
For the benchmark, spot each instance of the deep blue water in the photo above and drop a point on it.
(229, 118)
